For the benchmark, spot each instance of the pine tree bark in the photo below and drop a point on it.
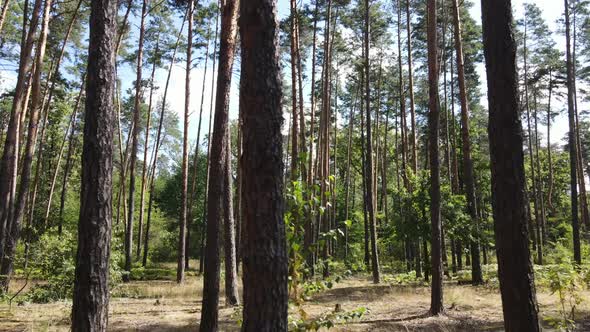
(229, 233)
(309, 230)
(265, 263)
(218, 204)
(369, 154)
(295, 111)
(515, 269)
(208, 167)
(134, 146)
(91, 292)
(436, 303)
(572, 139)
(180, 266)
(468, 173)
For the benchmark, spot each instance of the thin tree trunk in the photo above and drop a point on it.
(324, 141)
(219, 185)
(145, 152)
(134, 146)
(295, 116)
(15, 218)
(580, 158)
(348, 171)
(10, 153)
(436, 303)
(4, 10)
(45, 107)
(204, 224)
(411, 88)
(184, 191)
(123, 156)
(572, 139)
(229, 232)
(158, 143)
(469, 178)
(71, 126)
(369, 155)
(549, 157)
(64, 185)
(309, 227)
(539, 189)
(538, 242)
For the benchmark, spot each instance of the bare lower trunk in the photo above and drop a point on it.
(134, 147)
(369, 156)
(468, 173)
(229, 233)
(219, 204)
(265, 262)
(515, 269)
(572, 140)
(91, 292)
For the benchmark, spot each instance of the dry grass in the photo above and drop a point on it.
(166, 306)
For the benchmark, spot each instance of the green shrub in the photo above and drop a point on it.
(51, 261)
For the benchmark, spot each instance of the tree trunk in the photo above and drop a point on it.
(549, 158)
(369, 155)
(48, 96)
(229, 233)
(309, 227)
(16, 215)
(469, 178)
(3, 13)
(122, 155)
(208, 167)
(158, 143)
(10, 153)
(515, 269)
(572, 139)
(265, 262)
(218, 185)
(324, 141)
(348, 171)
(184, 182)
(436, 304)
(295, 123)
(411, 89)
(91, 292)
(584, 213)
(145, 165)
(134, 146)
(71, 126)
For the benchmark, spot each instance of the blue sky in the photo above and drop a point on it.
(552, 10)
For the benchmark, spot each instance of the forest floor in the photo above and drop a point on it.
(162, 305)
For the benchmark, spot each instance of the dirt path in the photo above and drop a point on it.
(165, 306)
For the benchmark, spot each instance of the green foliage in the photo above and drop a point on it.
(567, 282)
(326, 320)
(51, 262)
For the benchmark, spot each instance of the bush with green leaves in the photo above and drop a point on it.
(51, 262)
(51, 265)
